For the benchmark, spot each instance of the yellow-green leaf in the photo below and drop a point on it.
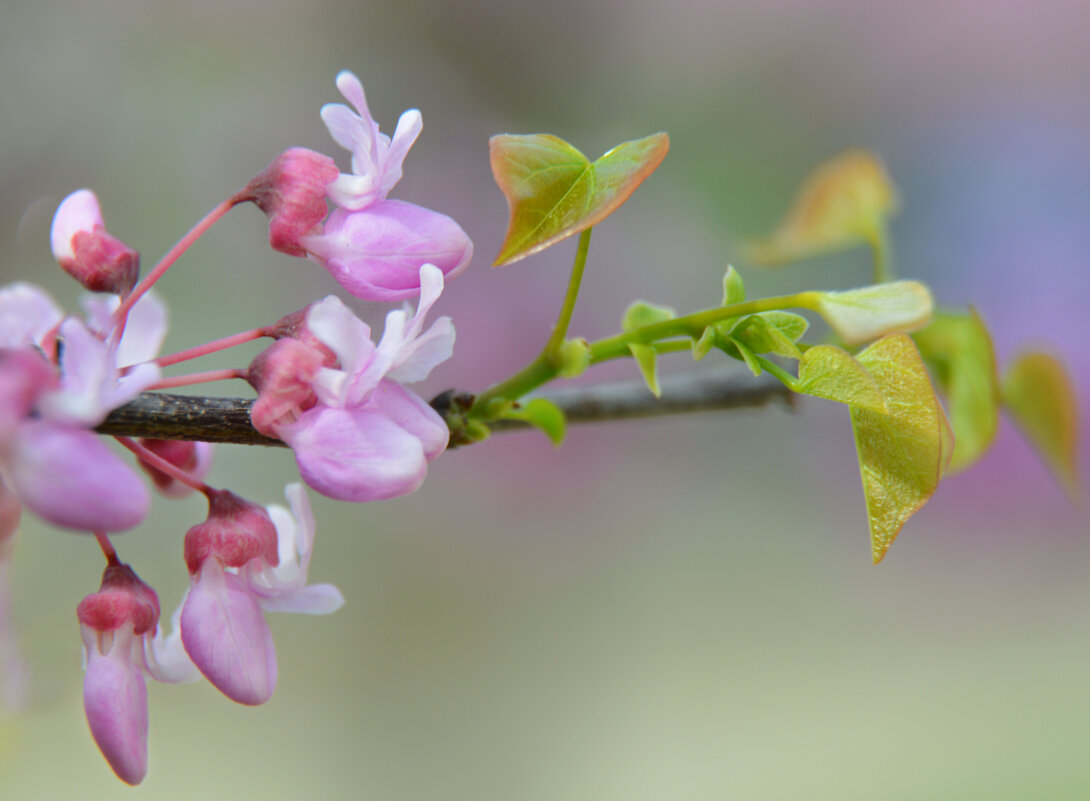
(734, 289)
(958, 349)
(903, 453)
(553, 191)
(748, 356)
(860, 315)
(771, 332)
(542, 414)
(647, 361)
(641, 313)
(1039, 396)
(844, 202)
(826, 371)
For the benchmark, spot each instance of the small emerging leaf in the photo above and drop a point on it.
(844, 202)
(860, 315)
(902, 454)
(642, 313)
(771, 332)
(546, 416)
(748, 356)
(704, 344)
(826, 371)
(553, 191)
(646, 360)
(959, 350)
(734, 290)
(1039, 396)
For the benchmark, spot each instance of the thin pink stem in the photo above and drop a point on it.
(162, 465)
(212, 347)
(107, 548)
(225, 374)
(195, 233)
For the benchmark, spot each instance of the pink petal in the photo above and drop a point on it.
(79, 211)
(225, 634)
(69, 477)
(115, 699)
(314, 599)
(356, 454)
(376, 253)
(413, 414)
(27, 314)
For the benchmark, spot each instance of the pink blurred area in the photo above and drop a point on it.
(671, 609)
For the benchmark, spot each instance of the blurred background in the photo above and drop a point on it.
(680, 608)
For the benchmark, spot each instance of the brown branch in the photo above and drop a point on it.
(163, 416)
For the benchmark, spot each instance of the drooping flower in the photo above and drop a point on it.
(368, 438)
(118, 625)
(244, 560)
(84, 249)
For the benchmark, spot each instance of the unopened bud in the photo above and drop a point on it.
(195, 458)
(292, 192)
(84, 249)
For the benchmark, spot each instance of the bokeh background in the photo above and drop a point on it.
(678, 609)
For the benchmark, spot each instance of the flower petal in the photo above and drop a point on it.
(27, 314)
(79, 211)
(376, 253)
(356, 454)
(115, 699)
(225, 634)
(413, 414)
(315, 599)
(72, 479)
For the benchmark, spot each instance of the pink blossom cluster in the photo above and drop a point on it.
(324, 387)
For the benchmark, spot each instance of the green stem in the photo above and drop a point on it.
(883, 256)
(552, 347)
(774, 369)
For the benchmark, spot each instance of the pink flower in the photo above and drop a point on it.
(244, 560)
(118, 627)
(292, 192)
(369, 438)
(83, 248)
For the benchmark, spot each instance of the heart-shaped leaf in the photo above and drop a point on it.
(1039, 396)
(860, 315)
(959, 352)
(844, 202)
(553, 191)
(903, 453)
(829, 372)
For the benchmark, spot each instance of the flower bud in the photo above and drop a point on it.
(292, 192)
(83, 248)
(282, 375)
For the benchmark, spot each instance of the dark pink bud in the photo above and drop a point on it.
(84, 249)
(235, 532)
(282, 375)
(121, 599)
(292, 192)
(194, 458)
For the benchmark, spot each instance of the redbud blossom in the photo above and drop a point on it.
(292, 192)
(369, 438)
(83, 248)
(235, 579)
(113, 623)
(282, 374)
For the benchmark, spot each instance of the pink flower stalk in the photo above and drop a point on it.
(118, 626)
(244, 560)
(83, 248)
(369, 438)
(195, 458)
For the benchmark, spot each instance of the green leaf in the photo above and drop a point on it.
(860, 315)
(734, 290)
(705, 343)
(748, 356)
(903, 453)
(646, 359)
(844, 202)
(771, 332)
(826, 371)
(1039, 396)
(553, 191)
(642, 313)
(543, 415)
(959, 352)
